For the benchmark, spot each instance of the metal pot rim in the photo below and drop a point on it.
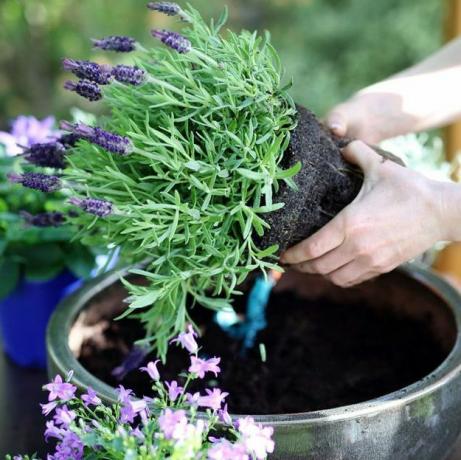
(64, 360)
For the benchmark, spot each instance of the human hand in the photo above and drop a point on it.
(397, 215)
(371, 116)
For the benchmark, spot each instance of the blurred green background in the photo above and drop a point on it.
(330, 47)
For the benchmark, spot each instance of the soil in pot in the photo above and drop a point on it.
(320, 353)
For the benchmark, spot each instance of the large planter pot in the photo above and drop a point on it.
(24, 317)
(419, 422)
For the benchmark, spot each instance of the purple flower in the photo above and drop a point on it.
(26, 131)
(151, 369)
(130, 409)
(64, 417)
(201, 366)
(69, 140)
(85, 88)
(44, 219)
(213, 400)
(193, 399)
(173, 40)
(48, 155)
(124, 394)
(224, 416)
(187, 340)
(88, 70)
(99, 208)
(109, 141)
(36, 181)
(118, 43)
(91, 398)
(52, 431)
(256, 438)
(225, 450)
(169, 421)
(129, 74)
(174, 390)
(48, 408)
(137, 433)
(168, 8)
(60, 390)
(71, 447)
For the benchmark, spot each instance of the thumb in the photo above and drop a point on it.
(337, 122)
(360, 154)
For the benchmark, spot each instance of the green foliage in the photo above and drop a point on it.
(37, 253)
(330, 47)
(209, 128)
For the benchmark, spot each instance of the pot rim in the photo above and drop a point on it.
(60, 354)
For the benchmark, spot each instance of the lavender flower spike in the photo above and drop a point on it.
(173, 40)
(44, 219)
(111, 142)
(119, 43)
(169, 8)
(100, 208)
(47, 155)
(85, 88)
(129, 74)
(36, 181)
(88, 70)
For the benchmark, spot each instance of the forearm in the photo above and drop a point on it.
(428, 92)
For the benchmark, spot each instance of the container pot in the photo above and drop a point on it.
(419, 422)
(24, 316)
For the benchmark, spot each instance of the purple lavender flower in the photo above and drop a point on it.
(69, 140)
(48, 155)
(26, 131)
(109, 141)
(170, 420)
(88, 70)
(85, 88)
(173, 40)
(174, 390)
(201, 366)
(44, 219)
(152, 370)
(100, 208)
(37, 181)
(60, 390)
(187, 339)
(129, 74)
(118, 43)
(91, 398)
(168, 8)
(213, 399)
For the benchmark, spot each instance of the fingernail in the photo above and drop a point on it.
(334, 126)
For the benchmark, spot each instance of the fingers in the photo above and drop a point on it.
(337, 123)
(325, 240)
(358, 153)
(328, 263)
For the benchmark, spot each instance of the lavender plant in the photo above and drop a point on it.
(182, 171)
(167, 426)
(36, 231)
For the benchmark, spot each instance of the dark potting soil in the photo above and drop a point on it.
(320, 355)
(326, 184)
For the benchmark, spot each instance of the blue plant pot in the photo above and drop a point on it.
(24, 317)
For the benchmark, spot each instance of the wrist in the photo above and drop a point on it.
(448, 196)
